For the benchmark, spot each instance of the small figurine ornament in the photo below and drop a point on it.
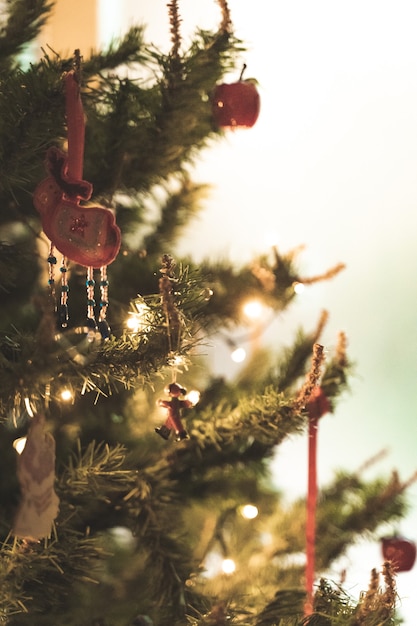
(174, 407)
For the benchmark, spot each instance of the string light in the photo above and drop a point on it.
(29, 408)
(19, 444)
(238, 355)
(133, 322)
(249, 511)
(228, 566)
(139, 318)
(66, 395)
(298, 287)
(253, 309)
(193, 396)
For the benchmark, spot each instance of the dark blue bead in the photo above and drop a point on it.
(63, 316)
(91, 323)
(104, 329)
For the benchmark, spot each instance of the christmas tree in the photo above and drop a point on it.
(132, 502)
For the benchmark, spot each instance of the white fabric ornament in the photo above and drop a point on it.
(39, 503)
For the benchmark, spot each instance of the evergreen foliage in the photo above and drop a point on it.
(141, 519)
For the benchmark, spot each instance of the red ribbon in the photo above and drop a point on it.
(75, 126)
(311, 512)
(317, 406)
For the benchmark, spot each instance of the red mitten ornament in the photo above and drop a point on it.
(36, 473)
(84, 233)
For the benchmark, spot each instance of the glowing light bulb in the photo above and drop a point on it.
(249, 511)
(19, 444)
(139, 318)
(66, 395)
(193, 396)
(298, 287)
(28, 408)
(238, 355)
(253, 309)
(228, 566)
(133, 322)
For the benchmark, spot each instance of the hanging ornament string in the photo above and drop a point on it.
(75, 121)
(63, 315)
(63, 305)
(91, 320)
(103, 325)
(177, 401)
(173, 320)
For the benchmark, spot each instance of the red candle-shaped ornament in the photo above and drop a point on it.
(236, 105)
(317, 406)
(400, 551)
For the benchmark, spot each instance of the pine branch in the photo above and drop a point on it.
(60, 359)
(286, 608)
(128, 50)
(27, 129)
(179, 209)
(366, 505)
(26, 569)
(23, 23)
(225, 435)
(274, 281)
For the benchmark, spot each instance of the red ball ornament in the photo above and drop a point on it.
(236, 105)
(400, 551)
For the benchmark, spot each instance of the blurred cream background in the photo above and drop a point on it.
(331, 164)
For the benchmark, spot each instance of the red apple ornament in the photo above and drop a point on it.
(236, 105)
(400, 551)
